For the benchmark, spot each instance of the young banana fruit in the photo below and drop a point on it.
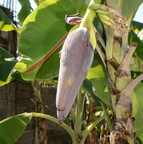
(76, 59)
(111, 17)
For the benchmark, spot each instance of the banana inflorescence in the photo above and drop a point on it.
(76, 59)
(111, 17)
(77, 53)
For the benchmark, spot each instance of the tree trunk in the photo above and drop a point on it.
(41, 131)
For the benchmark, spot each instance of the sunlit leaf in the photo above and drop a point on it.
(38, 2)
(140, 139)
(97, 76)
(138, 107)
(87, 85)
(137, 25)
(6, 24)
(42, 31)
(12, 128)
(130, 7)
(8, 80)
(7, 27)
(134, 38)
(41, 1)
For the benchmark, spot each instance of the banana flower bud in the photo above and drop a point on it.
(76, 59)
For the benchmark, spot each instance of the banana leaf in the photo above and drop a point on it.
(25, 10)
(6, 24)
(7, 63)
(137, 25)
(129, 7)
(97, 75)
(138, 107)
(139, 50)
(42, 34)
(12, 128)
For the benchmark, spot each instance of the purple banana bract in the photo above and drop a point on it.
(76, 59)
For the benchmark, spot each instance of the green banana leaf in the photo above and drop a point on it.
(25, 10)
(140, 139)
(38, 2)
(137, 25)
(7, 63)
(12, 128)
(6, 24)
(129, 7)
(98, 77)
(44, 30)
(4, 18)
(87, 86)
(138, 107)
(139, 50)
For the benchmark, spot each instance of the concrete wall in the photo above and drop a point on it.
(56, 134)
(16, 97)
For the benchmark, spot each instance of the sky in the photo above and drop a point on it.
(139, 14)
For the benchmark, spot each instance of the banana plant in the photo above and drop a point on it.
(106, 29)
(115, 57)
(6, 24)
(7, 60)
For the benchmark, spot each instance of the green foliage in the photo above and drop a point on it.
(41, 38)
(12, 128)
(87, 85)
(7, 63)
(138, 107)
(140, 139)
(97, 75)
(42, 31)
(137, 25)
(38, 2)
(5, 23)
(4, 18)
(129, 7)
(25, 10)
(139, 50)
